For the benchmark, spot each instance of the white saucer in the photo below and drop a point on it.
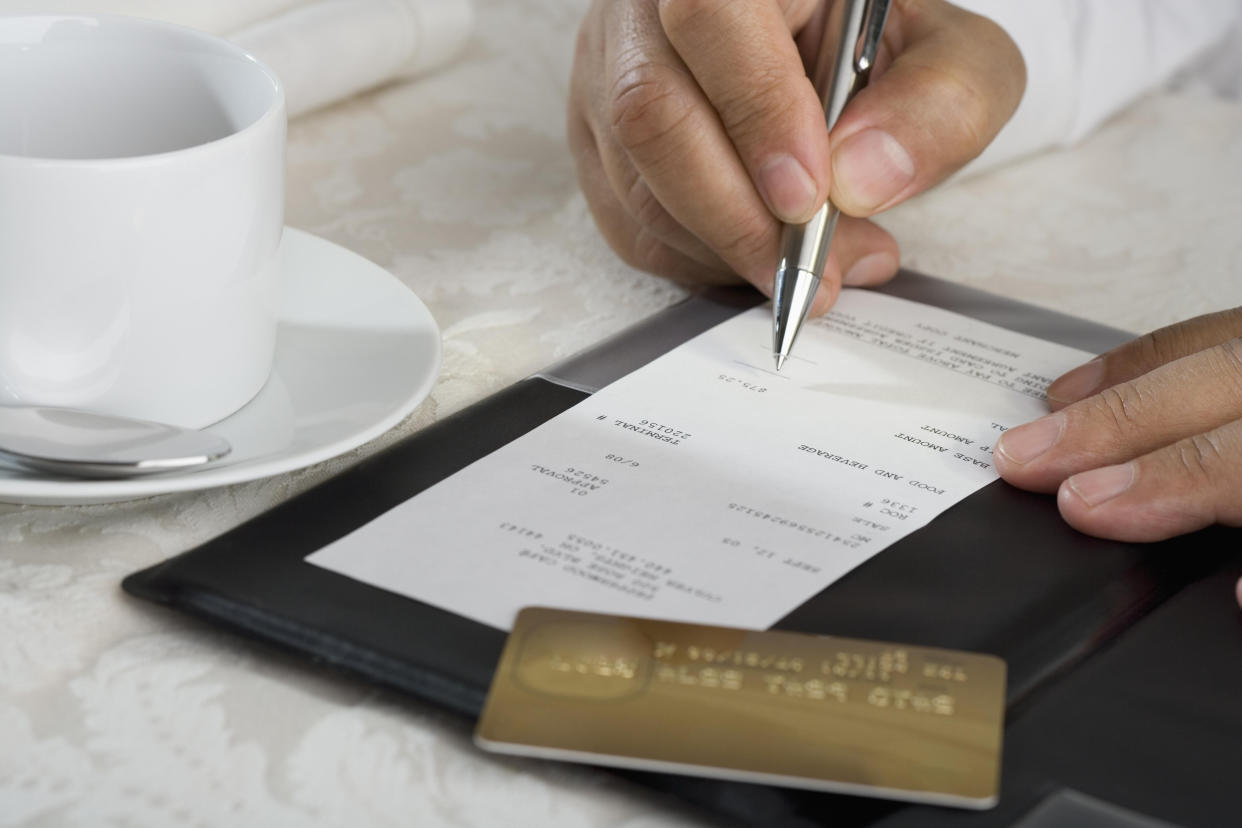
(355, 353)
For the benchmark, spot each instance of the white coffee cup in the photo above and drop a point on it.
(141, 208)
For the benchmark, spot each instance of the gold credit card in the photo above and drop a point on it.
(780, 708)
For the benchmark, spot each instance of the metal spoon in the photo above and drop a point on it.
(72, 443)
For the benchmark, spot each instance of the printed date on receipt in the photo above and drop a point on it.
(705, 487)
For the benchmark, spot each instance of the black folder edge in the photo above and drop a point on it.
(999, 572)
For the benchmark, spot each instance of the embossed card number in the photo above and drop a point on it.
(864, 717)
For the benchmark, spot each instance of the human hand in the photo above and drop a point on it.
(1145, 441)
(697, 131)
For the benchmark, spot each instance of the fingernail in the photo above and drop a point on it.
(871, 270)
(870, 169)
(1026, 442)
(1100, 485)
(1078, 383)
(787, 187)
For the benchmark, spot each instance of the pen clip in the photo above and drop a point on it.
(874, 15)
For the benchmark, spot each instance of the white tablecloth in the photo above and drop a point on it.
(114, 712)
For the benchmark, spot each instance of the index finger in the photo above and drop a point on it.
(664, 124)
(1150, 351)
(744, 58)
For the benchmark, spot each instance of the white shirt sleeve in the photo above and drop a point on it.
(1087, 59)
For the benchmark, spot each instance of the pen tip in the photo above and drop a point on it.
(780, 361)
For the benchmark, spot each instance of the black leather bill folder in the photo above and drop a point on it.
(1125, 660)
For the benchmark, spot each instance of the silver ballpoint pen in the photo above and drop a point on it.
(857, 26)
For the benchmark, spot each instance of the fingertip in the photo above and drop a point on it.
(788, 189)
(870, 171)
(1077, 384)
(1070, 506)
(1237, 592)
(1110, 502)
(1017, 454)
(1083, 517)
(1084, 501)
(1098, 486)
(1004, 466)
(1026, 443)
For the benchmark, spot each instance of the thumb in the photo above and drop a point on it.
(955, 78)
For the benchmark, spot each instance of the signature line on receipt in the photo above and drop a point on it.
(767, 371)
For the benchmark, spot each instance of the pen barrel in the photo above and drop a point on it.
(804, 252)
(841, 72)
(805, 246)
(853, 26)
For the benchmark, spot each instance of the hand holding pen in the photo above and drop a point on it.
(698, 132)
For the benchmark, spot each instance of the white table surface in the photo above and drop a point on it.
(113, 712)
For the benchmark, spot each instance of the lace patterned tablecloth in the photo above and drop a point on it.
(116, 712)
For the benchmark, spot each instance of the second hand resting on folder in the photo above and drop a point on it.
(697, 133)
